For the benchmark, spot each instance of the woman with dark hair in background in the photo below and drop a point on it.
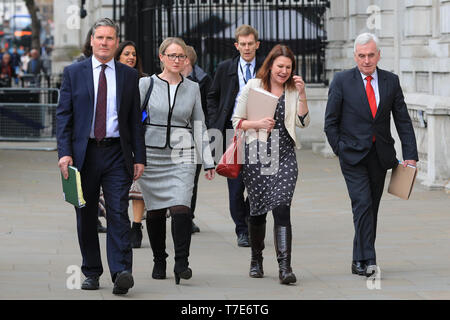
(87, 48)
(7, 71)
(127, 54)
(271, 186)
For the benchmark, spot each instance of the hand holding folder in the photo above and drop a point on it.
(261, 104)
(402, 181)
(73, 193)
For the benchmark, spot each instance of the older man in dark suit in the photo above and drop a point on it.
(358, 127)
(99, 131)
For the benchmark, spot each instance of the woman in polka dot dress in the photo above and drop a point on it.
(270, 170)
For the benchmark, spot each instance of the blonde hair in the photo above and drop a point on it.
(167, 42)
(191, 54)
(245, 30)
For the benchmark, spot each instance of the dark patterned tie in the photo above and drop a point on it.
(100, 113)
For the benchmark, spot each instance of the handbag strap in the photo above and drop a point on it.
(238, 129)
(147, 97)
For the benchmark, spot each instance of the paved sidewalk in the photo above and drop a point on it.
(38, 242)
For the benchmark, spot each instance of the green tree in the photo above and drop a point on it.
(35, 24)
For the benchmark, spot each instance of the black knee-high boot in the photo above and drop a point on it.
(256, 234)
(156, 229)
(181, 234)
(283, 245)
(136, 235)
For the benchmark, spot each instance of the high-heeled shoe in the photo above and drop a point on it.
(186, 274)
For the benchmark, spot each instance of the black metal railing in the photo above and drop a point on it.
(209, 25)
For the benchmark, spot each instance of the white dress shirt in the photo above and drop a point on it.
(112, 121)
(374, 83)
(242, 70)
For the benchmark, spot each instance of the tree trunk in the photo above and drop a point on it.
(35, 25)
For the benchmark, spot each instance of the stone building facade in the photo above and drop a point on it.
(70, 30)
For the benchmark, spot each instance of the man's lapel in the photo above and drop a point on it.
(382, 89)
(89, 77)
(233, 74)
(358, 84)
(119, 84)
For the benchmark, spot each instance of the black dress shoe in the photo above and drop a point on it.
(359, 268)
(242, 240)
(124, 281)
(371, 267)
(91, 283)
(100, 228)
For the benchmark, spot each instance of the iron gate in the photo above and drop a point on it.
(209, 25)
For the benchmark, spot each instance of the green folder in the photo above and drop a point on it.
(73, 193)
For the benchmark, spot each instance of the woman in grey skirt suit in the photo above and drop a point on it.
(176, 139)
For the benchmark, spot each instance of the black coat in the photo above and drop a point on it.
(224, 89)
(204, 82)
(350, 126)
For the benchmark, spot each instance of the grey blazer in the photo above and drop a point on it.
(180, 127)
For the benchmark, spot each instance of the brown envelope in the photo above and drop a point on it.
(261, 104)
(402, 181)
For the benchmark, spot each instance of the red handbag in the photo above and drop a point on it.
(230, 164)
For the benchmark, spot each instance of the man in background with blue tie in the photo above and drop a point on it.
(230, 77)
(358, 127)
(99, 131)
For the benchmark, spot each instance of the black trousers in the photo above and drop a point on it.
(365, 184)
(239, 205)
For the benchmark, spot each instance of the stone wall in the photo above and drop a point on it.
(71, 31)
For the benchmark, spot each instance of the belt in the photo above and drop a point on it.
(105, 142)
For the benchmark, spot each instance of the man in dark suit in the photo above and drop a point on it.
(230, 77)
(99, 131)
(34, 68)
(357, 124)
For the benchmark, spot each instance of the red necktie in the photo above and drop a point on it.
(371, 97)
(100, 113)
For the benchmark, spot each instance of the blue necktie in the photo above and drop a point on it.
(33, 66)
(248, 74)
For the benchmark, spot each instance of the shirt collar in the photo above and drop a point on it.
(244, 63)
(374, 76)
(96, 63)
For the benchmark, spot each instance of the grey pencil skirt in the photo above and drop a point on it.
(168, 178)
